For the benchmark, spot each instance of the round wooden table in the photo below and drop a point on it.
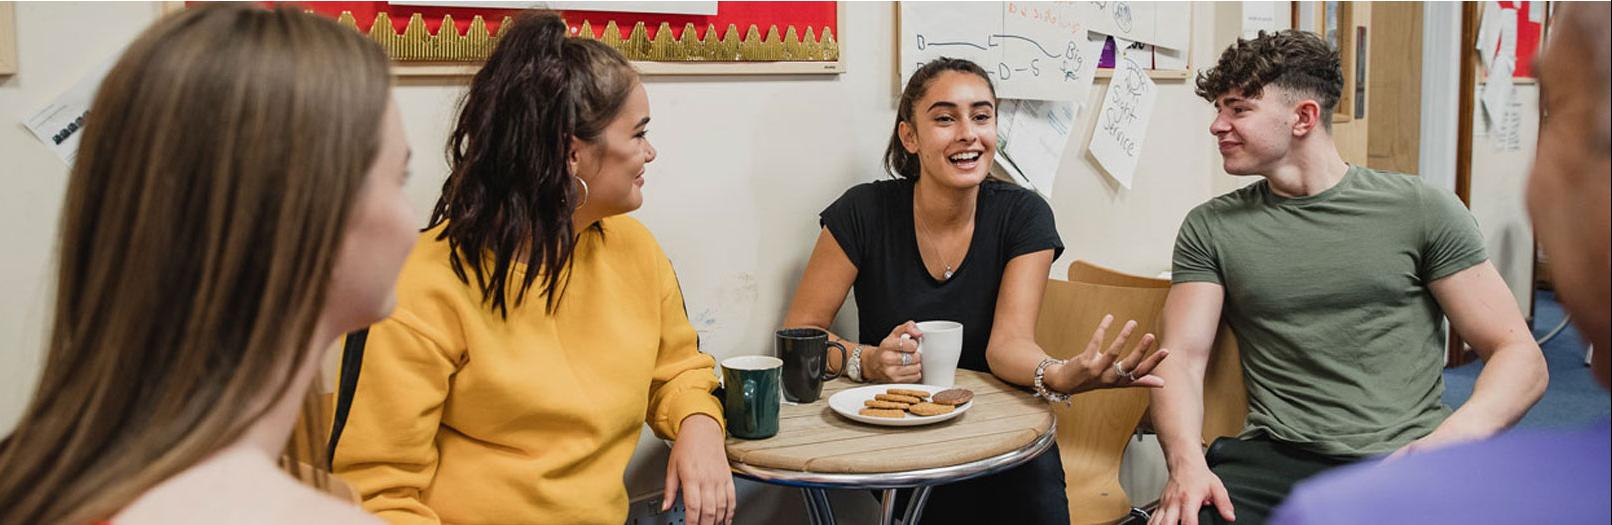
(817, 449)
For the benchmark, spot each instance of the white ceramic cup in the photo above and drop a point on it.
(941, 346)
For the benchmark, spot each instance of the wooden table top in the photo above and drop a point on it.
(813, 438)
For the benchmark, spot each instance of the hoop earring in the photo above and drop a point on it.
(584, 185)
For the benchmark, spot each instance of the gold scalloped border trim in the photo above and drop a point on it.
(417, 44)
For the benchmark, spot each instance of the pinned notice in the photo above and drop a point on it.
(1498, 88)
(1489, 32)
(1034, 134)
(1116, 143)
(60, 124)
(1031, 50)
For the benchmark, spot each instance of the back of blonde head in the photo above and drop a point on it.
(220, 159)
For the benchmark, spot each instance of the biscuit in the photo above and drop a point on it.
(920, 394)
(880, 412)
(886, 405)
(953, 397)
(930, 409)
(899, 399)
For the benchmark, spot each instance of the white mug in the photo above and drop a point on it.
(940, 347)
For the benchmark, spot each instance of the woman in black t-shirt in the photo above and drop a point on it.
(942, 242)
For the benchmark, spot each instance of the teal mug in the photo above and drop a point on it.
(751, 395)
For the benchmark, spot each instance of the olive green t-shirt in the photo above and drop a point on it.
(1328, 295)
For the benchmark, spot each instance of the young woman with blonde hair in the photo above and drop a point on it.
(235, 206)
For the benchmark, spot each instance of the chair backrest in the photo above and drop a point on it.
(1087, 272)
(1225, 398)
(311, 470)
(1093, 431)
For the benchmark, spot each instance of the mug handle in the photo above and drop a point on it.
(844, 355)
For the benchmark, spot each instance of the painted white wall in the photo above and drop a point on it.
(34, 181)
(745, 165)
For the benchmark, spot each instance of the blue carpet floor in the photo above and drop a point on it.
(1573, 398)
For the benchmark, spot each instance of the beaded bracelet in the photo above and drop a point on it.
(1041, 389)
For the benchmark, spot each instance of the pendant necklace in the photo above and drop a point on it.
(947, 274)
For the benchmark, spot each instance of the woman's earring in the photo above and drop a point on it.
(584, 185)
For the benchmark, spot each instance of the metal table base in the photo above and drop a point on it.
(814, 487)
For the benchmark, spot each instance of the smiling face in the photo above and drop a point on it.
(953, 130)
(612, 165)
(1256, 134)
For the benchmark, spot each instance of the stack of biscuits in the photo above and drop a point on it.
(896, 403)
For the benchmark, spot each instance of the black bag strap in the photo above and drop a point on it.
(352, 360)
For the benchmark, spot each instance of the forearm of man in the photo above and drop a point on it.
(1191, 317)
(1177, 410)
(1513, 379)
(1481, 308)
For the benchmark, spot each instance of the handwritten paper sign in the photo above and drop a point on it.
(1507, 135)
(1116, 143)
(1032, 50)
(957, 30)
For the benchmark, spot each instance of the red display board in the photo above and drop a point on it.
(815, 15)
(740, 38)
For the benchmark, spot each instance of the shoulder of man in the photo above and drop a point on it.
(1246, 196)
(1392, 182)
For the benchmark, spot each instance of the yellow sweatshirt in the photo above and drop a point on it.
(463, 417)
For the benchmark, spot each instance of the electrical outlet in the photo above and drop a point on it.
(646, 511)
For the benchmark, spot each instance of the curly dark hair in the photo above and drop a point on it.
(511, 192)
(897, 160)
(1299, 62)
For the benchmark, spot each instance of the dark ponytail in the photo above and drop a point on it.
(510, 192)
(897, 161)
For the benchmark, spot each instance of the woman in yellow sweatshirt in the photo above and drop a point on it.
(537, 327)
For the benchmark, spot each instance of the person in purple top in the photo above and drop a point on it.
(1523, 476)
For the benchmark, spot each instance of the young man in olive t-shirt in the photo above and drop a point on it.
(1334, 279)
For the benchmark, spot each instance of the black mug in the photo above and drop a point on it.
(805, 355)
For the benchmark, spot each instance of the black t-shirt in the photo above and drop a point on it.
(873, 223)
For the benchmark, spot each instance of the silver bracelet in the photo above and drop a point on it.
(853, 366)
(1041, 389)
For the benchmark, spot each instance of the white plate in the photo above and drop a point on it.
(848, 402)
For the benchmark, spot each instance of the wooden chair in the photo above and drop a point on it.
(1225, 398)
(307, 450)
(1093, 431)
(1088, 272)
